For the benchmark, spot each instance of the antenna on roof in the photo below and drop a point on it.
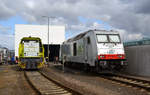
(95, 29)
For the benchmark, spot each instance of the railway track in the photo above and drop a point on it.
(134, 82)
(127, 80)
(43, 85)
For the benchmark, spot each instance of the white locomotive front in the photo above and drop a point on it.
(110, 50)
(98, 49)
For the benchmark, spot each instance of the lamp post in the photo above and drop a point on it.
(48, 18)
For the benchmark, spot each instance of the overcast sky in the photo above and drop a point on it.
(130, 17)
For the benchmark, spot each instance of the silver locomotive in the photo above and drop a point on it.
(97, 49)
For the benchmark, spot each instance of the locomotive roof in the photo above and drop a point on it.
(79, 36)
(30, 38)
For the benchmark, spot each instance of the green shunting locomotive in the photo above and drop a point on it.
(31, 53)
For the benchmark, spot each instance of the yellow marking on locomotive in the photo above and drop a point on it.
(21, 52)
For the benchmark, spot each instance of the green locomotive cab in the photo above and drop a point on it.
(31, 53)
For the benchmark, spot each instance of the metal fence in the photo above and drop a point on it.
(144, 41)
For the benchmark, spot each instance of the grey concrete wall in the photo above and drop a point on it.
(138, 58)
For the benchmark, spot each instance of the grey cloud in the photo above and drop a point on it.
(142, 6)
(5, 11)
(130, 15)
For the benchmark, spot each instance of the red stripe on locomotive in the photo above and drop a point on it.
(111, 56)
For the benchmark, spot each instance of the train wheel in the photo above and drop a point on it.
(97, 68)
(118, 68)
(86, 67)
(19, 69)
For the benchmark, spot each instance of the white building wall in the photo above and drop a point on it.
(56, 34)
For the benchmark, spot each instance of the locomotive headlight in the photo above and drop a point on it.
(120, 56)
(102, 56)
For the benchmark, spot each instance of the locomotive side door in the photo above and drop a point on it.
(85, 50)
(88, 52)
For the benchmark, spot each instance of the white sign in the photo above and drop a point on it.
(31, 48)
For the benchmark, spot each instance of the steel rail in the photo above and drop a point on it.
(135, 82)
(56, 87)
(59, 84)
(31, 84)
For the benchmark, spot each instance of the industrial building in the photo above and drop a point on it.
(3, 54)
(138, 57)
(56, 37)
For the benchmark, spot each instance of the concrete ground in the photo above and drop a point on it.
(12, 81)
(90, 84)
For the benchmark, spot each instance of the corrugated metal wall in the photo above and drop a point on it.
(138, 58)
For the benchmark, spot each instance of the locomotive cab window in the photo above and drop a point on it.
(102, 38)
(74, 49)
(114, 38)
(41, 49)
(88, 40)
